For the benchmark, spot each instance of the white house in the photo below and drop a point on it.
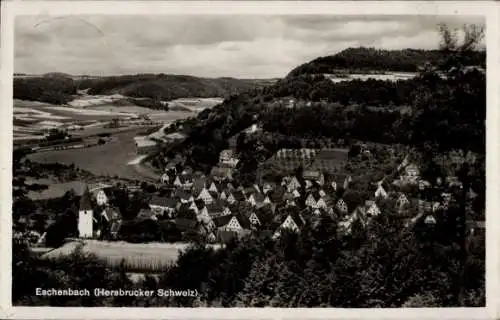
(101, 198)
(380, 192)
(228, 158)
(292, 222)
(205, 196)
(342, 206)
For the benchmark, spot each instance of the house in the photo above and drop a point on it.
(340, 181)
(430, 219)
(145, 214)
(214, 187)
(226, 211)
(423, 184)
(321, 204)
(198, 185)
(255, 199)
(162, 205)
(111, 215)
(296, 194)
(195, 208)
(314, 176)
(322, 193)
(101, 197)
(411, 173)
(342, 206)
(184, 181)
(232, 223)
(294, 184)
(293, 221)
(358, 215)
(222, 173)
(267, 200)
(228, 158)
(372, 209)
(203, 215)
(205, 196)
(254, 218)
(236, 196)
(183, 196)
(165, 178)
(311, 201)
(215, 210)
(402, 200)
(267, 187)
(381, 192)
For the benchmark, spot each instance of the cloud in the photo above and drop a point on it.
(211, 46)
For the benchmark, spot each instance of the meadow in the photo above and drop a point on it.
(108, 159)
(137, 256)
(56, 189)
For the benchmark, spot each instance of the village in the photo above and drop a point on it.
(216, 208)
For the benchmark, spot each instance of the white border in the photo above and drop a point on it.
(483, 8)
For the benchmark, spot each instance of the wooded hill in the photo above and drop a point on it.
(59, 88)
(377, 60)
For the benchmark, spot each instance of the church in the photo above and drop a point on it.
(90, 225)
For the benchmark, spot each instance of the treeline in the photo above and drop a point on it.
(444, 113)
(167, 87)
(50, 88)
(383, 265)
(319, 88)
(371, 59)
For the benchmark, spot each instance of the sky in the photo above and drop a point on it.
(207, 45)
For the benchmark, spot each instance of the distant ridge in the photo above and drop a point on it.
(378, 60)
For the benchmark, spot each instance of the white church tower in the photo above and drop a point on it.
(85, 216)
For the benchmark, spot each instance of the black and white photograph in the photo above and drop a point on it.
(248, 160)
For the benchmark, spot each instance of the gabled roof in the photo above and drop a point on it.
(112, 214)
(222, 220)
(214, 208)
(85, 202)
(199, 184)
(258, 197)
(145, 214)
(238, 195)
(184, 207)
(200, 204)
(115, 226)
(311, 174)
(297, 218)
(244, 221)
(213, 194)
(182, 194)
(163, 202)
(221, 172)
(338, 178)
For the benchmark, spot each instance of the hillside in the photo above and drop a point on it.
(168, 87)
(376, 60)
(60, 88)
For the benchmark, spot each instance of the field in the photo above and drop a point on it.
(390, 76)
(196, 104)
(143, 256)
(108, 159)
(56, 189)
